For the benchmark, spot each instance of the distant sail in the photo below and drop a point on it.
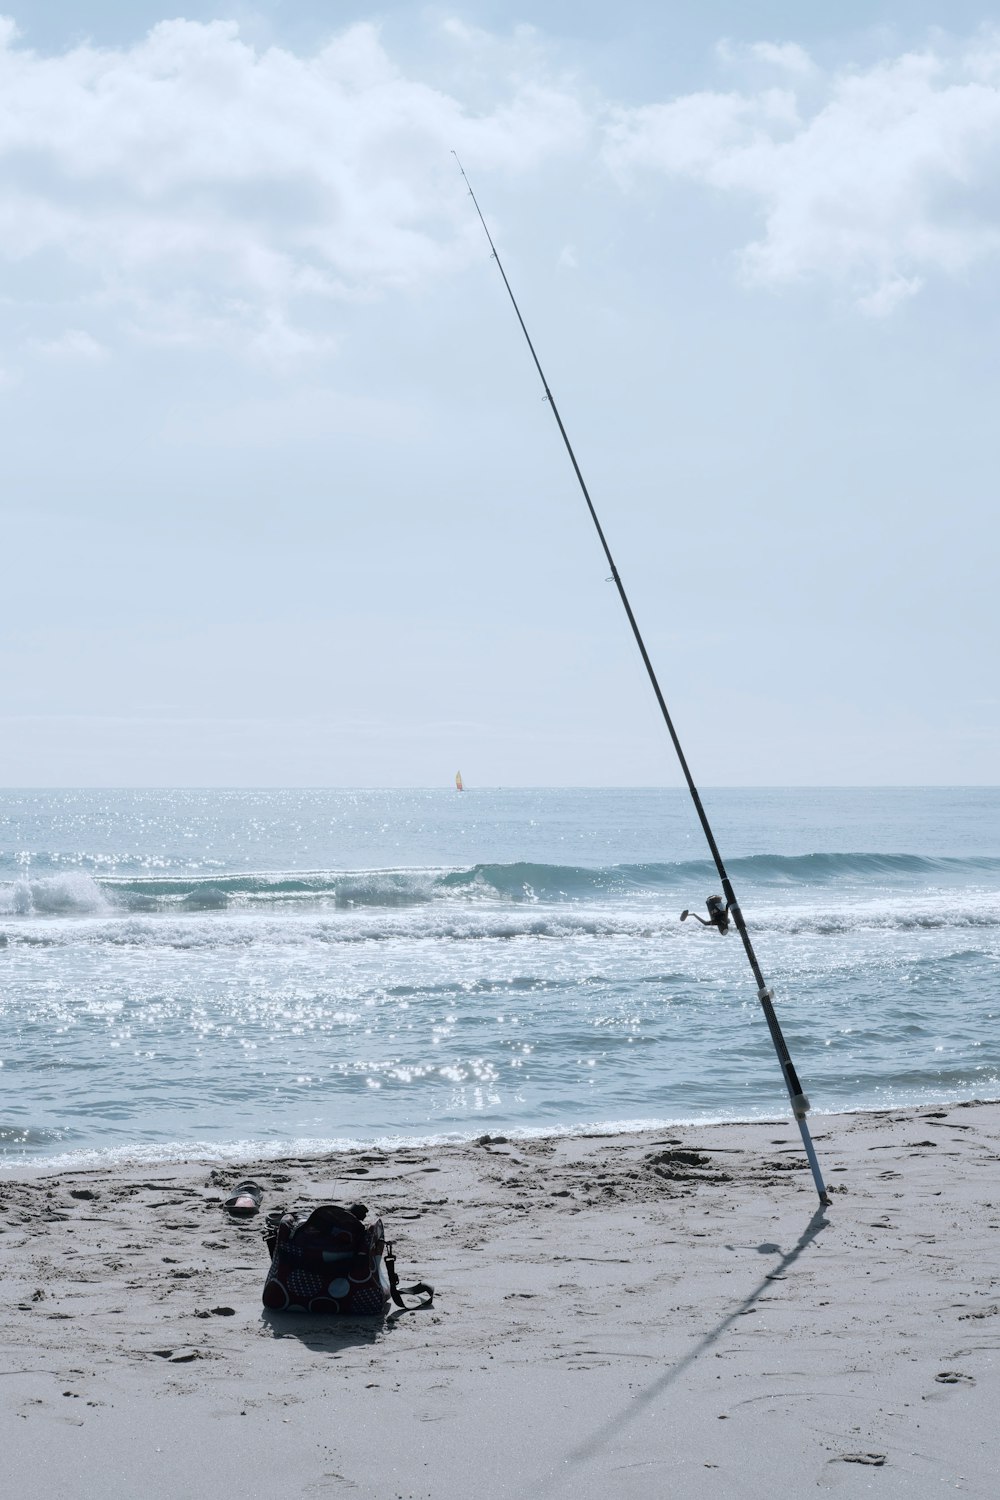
(458, 781)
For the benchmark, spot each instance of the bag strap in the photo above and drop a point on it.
(420, 1289)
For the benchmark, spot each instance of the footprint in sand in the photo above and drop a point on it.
(876, 1459)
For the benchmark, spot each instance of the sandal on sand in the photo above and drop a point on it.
(244, 1201)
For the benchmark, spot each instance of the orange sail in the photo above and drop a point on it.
(458, 781)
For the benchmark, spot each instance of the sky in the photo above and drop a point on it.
(282, 502)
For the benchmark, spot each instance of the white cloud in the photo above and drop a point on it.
(889, 294)
(195, 189)
(788, 56)
(872, 179)
(74, 344)
(191, 174)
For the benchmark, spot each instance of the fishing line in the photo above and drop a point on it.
(799, 1102)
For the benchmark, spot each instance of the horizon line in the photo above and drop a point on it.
(448, 786)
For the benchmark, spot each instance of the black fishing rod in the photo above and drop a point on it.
(718, 915)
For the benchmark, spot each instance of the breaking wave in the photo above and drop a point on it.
(80, 894)
(199, 927)
(54, 896)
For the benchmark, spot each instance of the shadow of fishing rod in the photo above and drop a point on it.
(612, 1428)
(719, 914)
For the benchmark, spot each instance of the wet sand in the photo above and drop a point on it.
(664, 1314)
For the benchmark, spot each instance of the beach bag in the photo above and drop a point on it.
(328, 1261)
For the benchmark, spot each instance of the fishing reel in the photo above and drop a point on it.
(718, 915)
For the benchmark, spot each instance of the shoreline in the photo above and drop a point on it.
(236, 1154)
(632, 1314)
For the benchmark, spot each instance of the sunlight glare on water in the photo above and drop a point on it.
(213, 967)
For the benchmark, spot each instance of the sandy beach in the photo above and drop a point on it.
(653, 1314)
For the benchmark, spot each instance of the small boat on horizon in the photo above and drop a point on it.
(458, 782)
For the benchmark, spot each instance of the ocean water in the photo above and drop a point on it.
(212, 972)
